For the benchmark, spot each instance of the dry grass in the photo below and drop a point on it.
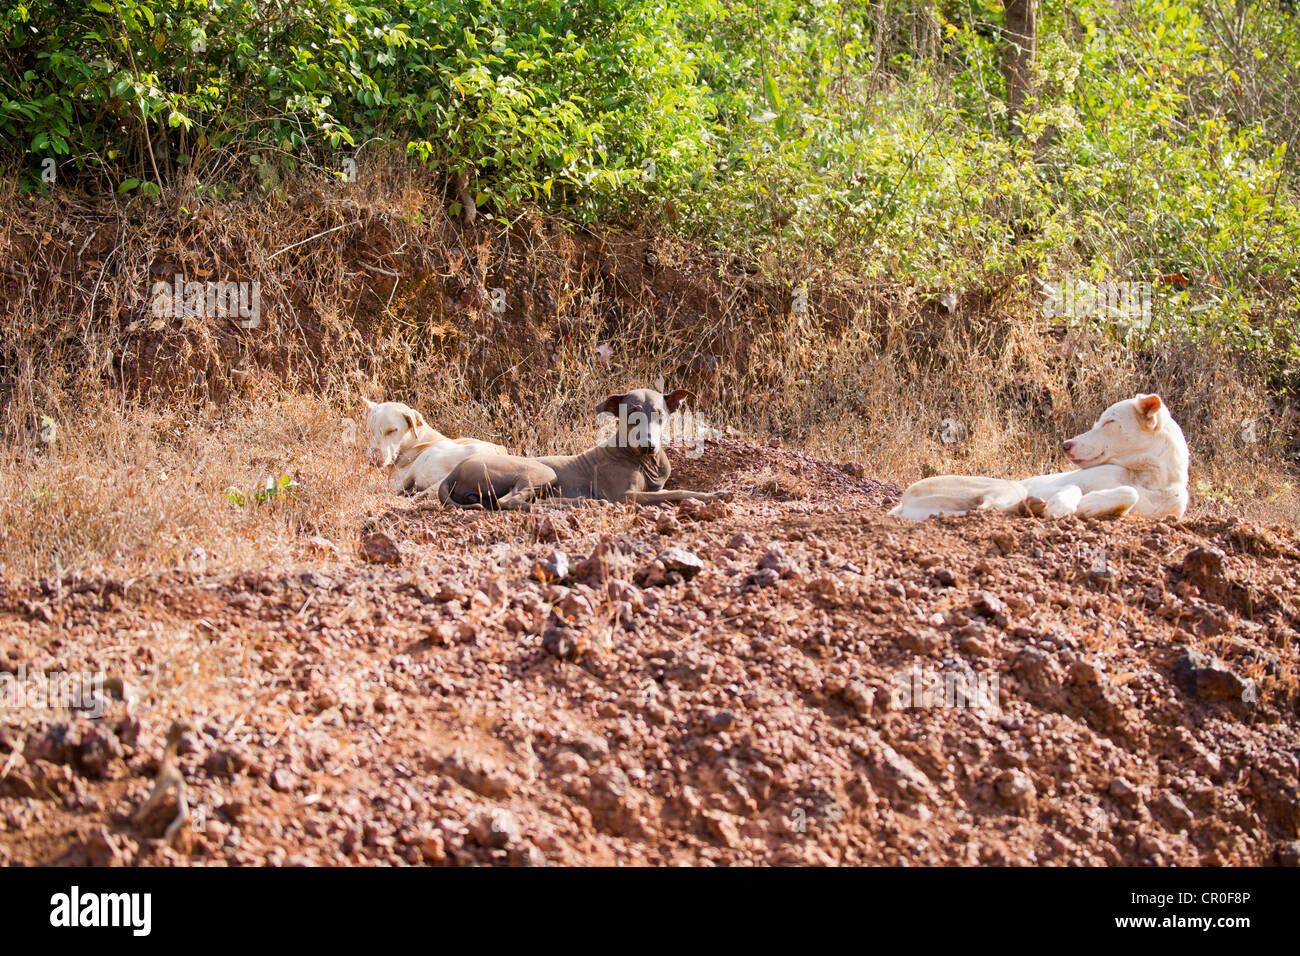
(140, 489)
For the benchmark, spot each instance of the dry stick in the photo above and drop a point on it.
(310, 238)
(169, 776)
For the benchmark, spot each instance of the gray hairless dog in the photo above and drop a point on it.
(631, 466)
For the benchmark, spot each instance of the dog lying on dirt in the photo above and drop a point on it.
(1133, 460)
(630, 466)
(418, 456)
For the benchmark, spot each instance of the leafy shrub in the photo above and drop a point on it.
(870, 133)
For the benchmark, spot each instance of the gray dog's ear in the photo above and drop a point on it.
(679, 397)
(610, 405)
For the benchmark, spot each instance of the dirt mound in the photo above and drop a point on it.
(744, 466)
(793, 677)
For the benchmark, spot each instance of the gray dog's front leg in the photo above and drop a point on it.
(656, 497)
(519, 498)
(573, 503)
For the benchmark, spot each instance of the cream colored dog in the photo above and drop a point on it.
(1133, 460)
(418, 456)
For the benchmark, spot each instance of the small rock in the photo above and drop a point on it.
(860, 697)
(740, 541)
(568, 762)
(119, 687)
(433, 849)
(560, 641)
(1125, 791)
(99, 747)
(653, 574)
(553, 567)
(681, 562)
(774, 559)
(762, 578)
(106, 849)
(1170, 810)
(1016, 790)
(1288, 854)
(495, 828)
(1005, 542)
(720, 720)
(1202, 565)
(721, 827)
(574, 607)
(668, 524)
(1210, 680)
(549, 528)
(989, 605)
(826, 587)
(52, 744)
(379, 548)
(697, 510)
(591, 746)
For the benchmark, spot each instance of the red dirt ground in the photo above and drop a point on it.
(463, 706)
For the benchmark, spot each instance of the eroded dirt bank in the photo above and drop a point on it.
(701, 684)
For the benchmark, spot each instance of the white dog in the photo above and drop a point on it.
(1134, 459)
(418, 456)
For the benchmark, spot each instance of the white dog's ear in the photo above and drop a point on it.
(610, 405)
(410, 419)
(680, 397)
(370, 406)
(1148, 407)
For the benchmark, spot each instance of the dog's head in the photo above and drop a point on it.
(392, 426)
(1129, 433)
(641, 415)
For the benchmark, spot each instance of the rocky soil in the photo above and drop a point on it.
(792, 677)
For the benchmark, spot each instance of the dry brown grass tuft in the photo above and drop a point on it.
(135, 489)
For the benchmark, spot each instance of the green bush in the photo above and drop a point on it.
(868, 133)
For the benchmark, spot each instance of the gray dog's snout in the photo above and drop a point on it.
(1066, 446)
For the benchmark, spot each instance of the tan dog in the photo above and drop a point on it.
(630, 466)
(1134, 459)
(418, 456)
